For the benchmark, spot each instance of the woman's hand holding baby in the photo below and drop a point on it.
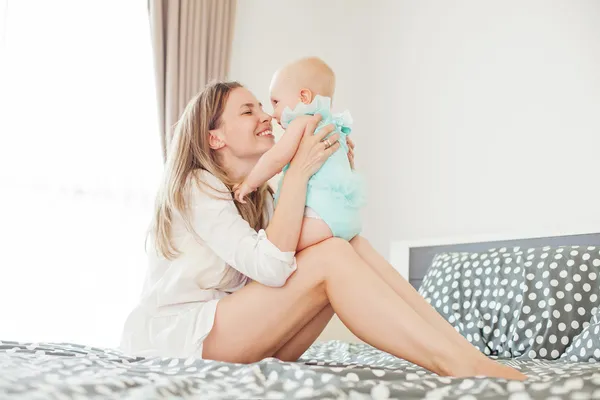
(314, 149)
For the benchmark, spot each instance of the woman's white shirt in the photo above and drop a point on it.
(179, 298)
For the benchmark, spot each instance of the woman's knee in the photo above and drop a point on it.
(326, 250)
(334, 244)
(321, 257)
(359, 242)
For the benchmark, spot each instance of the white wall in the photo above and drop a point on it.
(472, 117)
(494, 110)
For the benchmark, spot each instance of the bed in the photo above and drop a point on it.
(556, 343)
(332, 370)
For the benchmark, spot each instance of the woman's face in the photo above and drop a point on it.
(245, 128)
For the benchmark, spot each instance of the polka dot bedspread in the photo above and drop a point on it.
(332, 370)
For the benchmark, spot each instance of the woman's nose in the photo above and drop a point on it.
(266, 117)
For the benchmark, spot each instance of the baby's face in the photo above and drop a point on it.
(283, 94)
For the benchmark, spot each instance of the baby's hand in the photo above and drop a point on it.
(241, 190)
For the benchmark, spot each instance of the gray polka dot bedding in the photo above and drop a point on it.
(534, 309)
(332, 370)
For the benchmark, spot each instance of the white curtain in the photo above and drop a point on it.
(80, 159)
(192, 46)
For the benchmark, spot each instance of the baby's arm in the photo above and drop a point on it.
(273, 161)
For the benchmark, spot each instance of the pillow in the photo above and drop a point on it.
(586, 345)
(464, 287)
(516, 302)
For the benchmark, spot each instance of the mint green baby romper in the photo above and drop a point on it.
(335, 192)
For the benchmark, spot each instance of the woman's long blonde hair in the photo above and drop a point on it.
(189, 152)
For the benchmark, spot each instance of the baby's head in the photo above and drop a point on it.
(300, 81)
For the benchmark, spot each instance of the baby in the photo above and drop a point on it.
(334, 194)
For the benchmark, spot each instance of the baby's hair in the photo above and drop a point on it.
(314, 74)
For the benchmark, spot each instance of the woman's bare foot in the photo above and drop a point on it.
(494, 369)
(479, 365)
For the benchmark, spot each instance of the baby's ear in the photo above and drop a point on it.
(306, 96)
(214, 140)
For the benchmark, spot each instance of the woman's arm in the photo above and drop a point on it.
(218, 224)
(284, 228)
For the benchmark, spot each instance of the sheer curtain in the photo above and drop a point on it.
(80, 159)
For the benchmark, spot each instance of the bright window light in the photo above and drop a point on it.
(79, 165)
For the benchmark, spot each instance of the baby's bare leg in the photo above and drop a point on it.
(313, 231)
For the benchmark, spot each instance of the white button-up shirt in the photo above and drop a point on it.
(179, 298)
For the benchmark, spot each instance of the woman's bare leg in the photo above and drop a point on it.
(405, 290)
(237, 336)
(332, 272)
(313, 231)
(297, 345)
(308, 334)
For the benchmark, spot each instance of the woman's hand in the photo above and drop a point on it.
(314, 149)
(350, 151)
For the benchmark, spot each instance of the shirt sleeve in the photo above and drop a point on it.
(220, 226)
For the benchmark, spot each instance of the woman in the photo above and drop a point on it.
(223, 280)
